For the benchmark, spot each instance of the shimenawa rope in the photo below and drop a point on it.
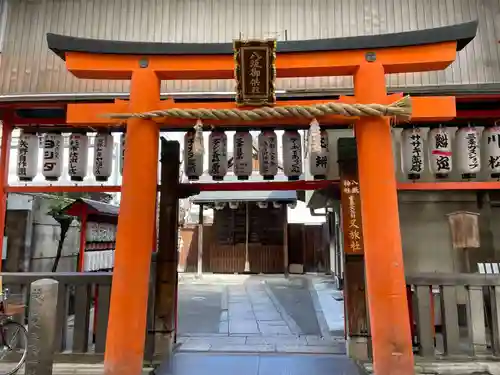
(401, 109)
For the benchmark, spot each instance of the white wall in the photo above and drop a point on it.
(302, 215)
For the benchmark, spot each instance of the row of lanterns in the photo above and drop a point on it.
(467, 144)
(243, 155)
(53, 147)
(53, 151)
(234, 205)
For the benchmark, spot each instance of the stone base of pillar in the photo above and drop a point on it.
(164, 344)
(357, 348)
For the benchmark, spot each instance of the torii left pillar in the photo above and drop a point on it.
(136, 222)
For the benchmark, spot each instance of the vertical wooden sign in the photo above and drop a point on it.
(255, 72)
(351, 211)
(356, 310)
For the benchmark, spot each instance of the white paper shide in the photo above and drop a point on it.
(217, 155)
(78, 156)
(27, 156)
(440, 152)
(52, 156)
(491, 142)
(468, 151)
(243, 155)
(103, 156)
(268, 154)
(412, 144)
(319, 155)
(292, 154)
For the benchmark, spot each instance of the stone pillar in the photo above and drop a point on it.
(42, 327)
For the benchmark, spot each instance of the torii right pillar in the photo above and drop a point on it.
(385, 275)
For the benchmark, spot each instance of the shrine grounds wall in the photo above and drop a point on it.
(33, 236)
(426, 236)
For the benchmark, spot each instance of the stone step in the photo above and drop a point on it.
(70, 369)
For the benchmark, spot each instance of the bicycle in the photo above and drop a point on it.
(13, 335)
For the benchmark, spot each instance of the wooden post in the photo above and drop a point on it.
(166, 258)
(356, 313)
(385, 278)
(200, 242)
(285, 240)
(247, 233)
(83, 239)
(126, 332)
(4, 179)
(42, 325)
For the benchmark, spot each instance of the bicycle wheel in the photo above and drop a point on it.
(13, 347)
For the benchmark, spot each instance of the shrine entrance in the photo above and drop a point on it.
(371, 111)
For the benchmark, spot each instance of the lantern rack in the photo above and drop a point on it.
(301, 185)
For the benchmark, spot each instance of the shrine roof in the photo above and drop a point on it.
(461, 33)
(245, 196)
(92, 208)
(284, 196)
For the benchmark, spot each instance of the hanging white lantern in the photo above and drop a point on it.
(234, 205)
(276, 204)
(268, 154)
(217, 155)
(491, 139)
(193, 159)
(262, 204)
(412, 150)
(78, 156)
(468, 151)
(292, 154)
(220, 205)
(122, 151)
(52, 156)
(103, 156)
(440, 152)
(292, 205)
(319, 151)
(243, 155)
(27, 156)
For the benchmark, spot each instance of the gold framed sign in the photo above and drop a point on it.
(255, 72)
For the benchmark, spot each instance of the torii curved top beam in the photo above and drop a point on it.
(460, 33)
(413, 51)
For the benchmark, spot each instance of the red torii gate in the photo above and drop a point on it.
(366, 58)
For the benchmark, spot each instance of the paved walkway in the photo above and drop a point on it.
(259, 364)
(231, 364)
(258, 314)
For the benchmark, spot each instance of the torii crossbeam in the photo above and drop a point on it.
(368, 59)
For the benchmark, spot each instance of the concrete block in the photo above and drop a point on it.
(357, 348)
(296, 268)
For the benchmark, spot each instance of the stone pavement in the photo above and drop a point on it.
(71, 369)
(278, 364)
(259, 314)
(231, 364)
(259, 364)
